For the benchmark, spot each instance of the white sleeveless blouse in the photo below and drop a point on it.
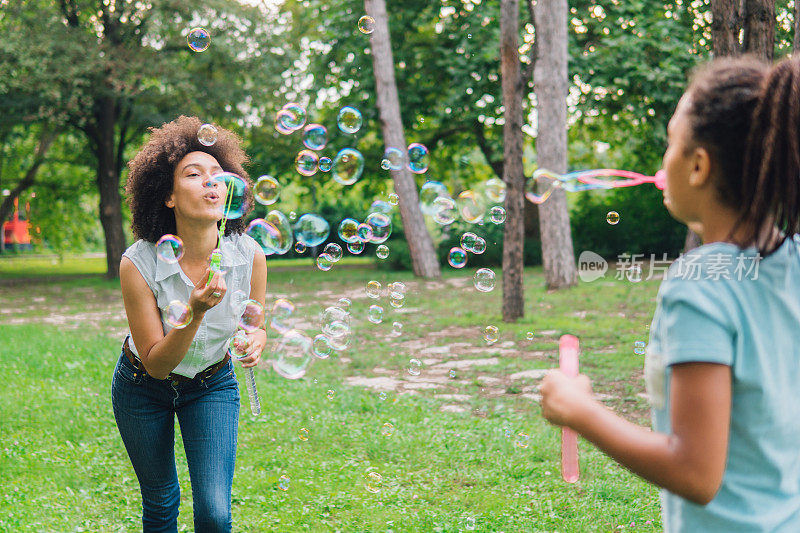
(168, 282)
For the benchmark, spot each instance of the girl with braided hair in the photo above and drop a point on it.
(722, 367)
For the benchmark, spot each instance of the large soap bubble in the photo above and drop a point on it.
(306, 162)
(169, 248)
(417, 158)
(292, 355)
(429, 192)
(266, 190)
(266, 235)
(311, 229)
(315, 136)
(348, 165)
(228, 192)
(282, 310)
(348, 230)
(471, 207)
(349, 119)
(284, 227)
(381, 226)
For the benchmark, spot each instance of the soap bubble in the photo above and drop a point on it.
(349, 119)
(529, 335)
(495, 190)
(469, 523)
(292, 116)
(452, 373)
(198, 39)
(471, 206)
(397, 300)
(292, 216)
(385, 164)
(382, 251)
(315, 136)
(252, 316)
(497, 214)
(348, 165)
(266, 235)
(634, 273)
(468, 240)
(373, 482)
(387, 429)
(281, 223)
(379, 206)
(283, 483)
(325, 163)
(398, 287)
(375, 314)
(522, 440)
(333, 250)
(430, 191)
(397, 329)
(306, 162)
(490, 334)
(303, 434)
(639, 347)
(366, 24)
(229, 194)
(292, 353)
(322, 346)
(484, 279)
(282, 118)
(266, 190)
(348, 230)
(312, 230)
(282, 309)
(238, 345)
(331, 393)
(342, 341)
(364, 232)
(415, 367)
(394, 158)
(169, 248)
(178, 314)
(479, 246)
(355, 248)
(393, 199)
(332, 315)
(344, 303)
(380, 227)
(299, 247)
(374, 289)
(207, 134)
(612, 218)
(324, 262)
(457, 257)
(417, 158)
(444, 210)
(382, 396)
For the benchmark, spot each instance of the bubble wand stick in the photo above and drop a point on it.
(568, 363)
(216, 265)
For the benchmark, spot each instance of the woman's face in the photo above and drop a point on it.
(680, 165)
(191, 199)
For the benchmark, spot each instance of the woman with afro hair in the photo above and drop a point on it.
(165, 371)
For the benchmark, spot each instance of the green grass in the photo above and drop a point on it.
(63, 466)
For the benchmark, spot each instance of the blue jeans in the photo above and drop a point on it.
(208, 412)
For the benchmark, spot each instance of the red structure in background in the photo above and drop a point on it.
(16, 231)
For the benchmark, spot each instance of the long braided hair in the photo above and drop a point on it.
(747, 114)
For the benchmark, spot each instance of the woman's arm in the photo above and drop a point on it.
(160, 353)
(690, 462)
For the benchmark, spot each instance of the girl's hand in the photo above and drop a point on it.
(563, 396)
(205, 296)
(257, 341)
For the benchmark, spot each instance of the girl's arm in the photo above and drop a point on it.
(690, 462)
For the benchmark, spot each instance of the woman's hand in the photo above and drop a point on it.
(563, 397)
(204, 296)
(256, 342)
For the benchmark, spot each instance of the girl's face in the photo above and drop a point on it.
(190, 198)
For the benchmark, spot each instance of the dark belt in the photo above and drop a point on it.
(203, 374)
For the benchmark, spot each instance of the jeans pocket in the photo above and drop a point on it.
(126, 371)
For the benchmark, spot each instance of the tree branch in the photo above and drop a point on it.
(480, 136)
(443, 134)
(46, 138)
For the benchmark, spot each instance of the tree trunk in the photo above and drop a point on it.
(514, 231)
(550, 76)
(108, 184)
(725, 27)
(759, 28)
(796, 42)
(423, 254)
(46, 138)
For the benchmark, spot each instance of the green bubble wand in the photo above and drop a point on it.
(216, 266)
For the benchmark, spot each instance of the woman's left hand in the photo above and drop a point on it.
(563, 397)
(257, 340)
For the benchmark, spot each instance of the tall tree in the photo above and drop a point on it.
(759, 28)
(423, 255)
(514, 231)
(796, 39)
(550, 78)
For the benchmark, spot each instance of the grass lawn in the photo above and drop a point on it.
(455, 460)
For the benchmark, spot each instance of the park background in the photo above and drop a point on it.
(80, 83)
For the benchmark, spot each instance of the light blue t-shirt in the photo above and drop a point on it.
(168, 283)
(724, 305)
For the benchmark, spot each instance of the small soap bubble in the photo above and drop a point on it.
(522, 441)
(382, 251)
(394, 199)
(344, 304)
(292, 116)
(471, 206)
(397, 286)
(292, 355)
(394, 158)
(374, 289)
(169, 248)
(397, 329)
(331, 393)
(349, 119)
(178, 314)
(325, 163)
(479, 246)
(529, 335)
(299, 247)
(283, 483)
(207, 134)
(484, 279)
(444, 210)
(292, 216)
(303, 434)
(315, 136)
(380, 227)
(306, 162)
(379, 206)
(238, 345)
(396, 300)
(634, 273)
(333, 250)
(415, 367)
(452, 373)
(266, 190)
(387, 430)
(348, 230)
(373, 482)
(198, 39)
(639, 347)
(375, 314)
(490, 333)
(366, 24)
(355, 248)
(457, 257)
(282, 309)
(347, 167)
(497, 214)
(385, 164)
(417, 158)
(324, 262)
(252, 317)
(495, 190)
(612, 218)
(469, 523)
(382, 396)
(428, 193)
(468, 241)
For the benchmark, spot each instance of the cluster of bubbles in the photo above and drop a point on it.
(436, 201)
